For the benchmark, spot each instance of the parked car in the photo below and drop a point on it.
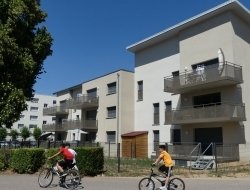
(15, 144)
(3, 144)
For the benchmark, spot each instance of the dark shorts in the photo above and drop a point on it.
(166, 170)
(65, 163)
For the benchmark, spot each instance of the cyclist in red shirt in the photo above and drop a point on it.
(67, 158)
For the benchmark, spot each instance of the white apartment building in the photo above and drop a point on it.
(33, 117)
(98, 110)
(191, 81)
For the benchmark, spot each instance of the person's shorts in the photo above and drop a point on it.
(65, 163)
(166, 170)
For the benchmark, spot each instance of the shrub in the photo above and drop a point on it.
(90, 161)
(5, 155)
(27, 160)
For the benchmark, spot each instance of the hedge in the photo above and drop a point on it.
(27, 160)
(5, 155)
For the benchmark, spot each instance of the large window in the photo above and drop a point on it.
(32, 126)
(92, 92)
(33, 108)
(34, 100)
(111, 88)
(207, 100)
(140, 90)
(111, 112)
(33, 117)
(91, 114)
(156, 114)
(20, 126)
(111, 136)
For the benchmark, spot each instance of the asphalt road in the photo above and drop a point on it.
(29, 182)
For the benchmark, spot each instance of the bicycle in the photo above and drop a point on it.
(147, 183)
(70, 180)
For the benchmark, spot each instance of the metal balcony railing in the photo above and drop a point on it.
(79, 124)
(52, 127)
(55, 110)
(222, 74)
(84, 101)
(215, 112)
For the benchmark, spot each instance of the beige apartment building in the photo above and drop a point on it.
(202, 65)
(98, 110)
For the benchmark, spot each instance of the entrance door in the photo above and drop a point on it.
(208, 135)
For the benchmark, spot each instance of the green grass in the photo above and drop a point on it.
(141, 167)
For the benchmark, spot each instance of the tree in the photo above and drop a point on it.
(37, 133)
(24, 45)
(14, 134)
(25, 133)
(3, 133)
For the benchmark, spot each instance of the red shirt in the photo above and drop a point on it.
(66, 153)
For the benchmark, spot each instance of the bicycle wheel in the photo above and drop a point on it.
(146, 184)
(45, 177)
(176, 184)
(72, 179)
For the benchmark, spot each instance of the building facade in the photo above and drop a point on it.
(33, 117)
(194, 80)
(98, 110)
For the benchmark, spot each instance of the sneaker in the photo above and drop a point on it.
(162, 188)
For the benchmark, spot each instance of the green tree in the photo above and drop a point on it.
(37, 133)
(24, 45)
(25, 133)
(14, 134)
(3, 133)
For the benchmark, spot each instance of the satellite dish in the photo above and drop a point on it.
(221, 56)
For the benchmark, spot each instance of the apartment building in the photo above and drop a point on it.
(191, 81)
(33, 117)
(98, 110)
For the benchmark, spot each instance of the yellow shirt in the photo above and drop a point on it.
(166, 159)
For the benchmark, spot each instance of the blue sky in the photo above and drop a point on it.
(91, 36)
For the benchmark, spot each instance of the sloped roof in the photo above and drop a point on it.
(232, 5)
(134, 133)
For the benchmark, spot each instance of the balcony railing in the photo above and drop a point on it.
(83, 101)
(216, 112)
(203, 78)
(55, 110)
(79, 124)
(52, 127)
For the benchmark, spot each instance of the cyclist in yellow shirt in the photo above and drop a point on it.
(167, 166)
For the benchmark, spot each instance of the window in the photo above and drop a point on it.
(156, 139)
(91, 114)
(32, 126)
(34, 100)
(92, 92)
(111, 112)
(74, 136)
(168, 105)
(111, 136)
(20, 126)
(22, 116)
(54, 101)
(156, 114)
(33, 108)
(77, 117)
(44, 122)
(111, 88)
(53, 118)
(207, 100)
(45, 105)
(33, 117)
(140, 90)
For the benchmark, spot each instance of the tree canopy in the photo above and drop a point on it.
(37, 133)
(24, 45)
(25, 133)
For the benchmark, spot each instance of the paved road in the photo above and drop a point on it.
(29, 182)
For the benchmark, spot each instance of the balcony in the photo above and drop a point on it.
(52, 127)
(82, 102)
(55, 110)
(79, 124)
(216, 112)
(207, 77)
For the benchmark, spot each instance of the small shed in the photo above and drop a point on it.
(135, 144)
